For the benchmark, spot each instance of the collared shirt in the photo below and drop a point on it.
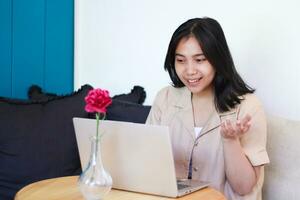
(173, 107)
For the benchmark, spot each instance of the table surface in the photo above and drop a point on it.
(66, 188)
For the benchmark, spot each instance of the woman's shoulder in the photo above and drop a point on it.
(171, 90)
(168, 94)
(251, 99)
(250, 103)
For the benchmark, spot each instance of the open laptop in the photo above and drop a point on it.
(138, 157)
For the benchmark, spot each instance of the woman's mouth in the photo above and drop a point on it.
(193, 80)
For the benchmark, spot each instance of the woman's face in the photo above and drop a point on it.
(191, 66)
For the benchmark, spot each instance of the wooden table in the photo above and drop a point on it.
(66, 188)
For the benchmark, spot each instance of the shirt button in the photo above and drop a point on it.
(195, 169)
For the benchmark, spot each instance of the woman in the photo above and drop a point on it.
(217, 124)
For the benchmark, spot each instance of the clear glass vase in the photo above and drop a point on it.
(94, 182)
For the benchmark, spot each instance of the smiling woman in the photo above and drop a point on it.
(229, 154)
(192, 67)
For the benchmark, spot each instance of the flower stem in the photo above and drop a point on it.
(98, 136)
(97, 126)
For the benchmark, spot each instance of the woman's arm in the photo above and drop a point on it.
(241, 175)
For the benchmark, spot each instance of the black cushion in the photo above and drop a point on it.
(35, 93)
(136, 95)
(127, 111)
(124, 107)
(37, 140)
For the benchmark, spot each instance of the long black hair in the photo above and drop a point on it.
(227, 83)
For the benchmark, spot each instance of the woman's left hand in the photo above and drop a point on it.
(230, 130)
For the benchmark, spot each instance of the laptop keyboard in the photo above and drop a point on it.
(181, 186)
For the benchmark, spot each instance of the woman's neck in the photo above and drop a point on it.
(204, 96)
(203, 106)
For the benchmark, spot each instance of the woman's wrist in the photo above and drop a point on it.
(228, 140)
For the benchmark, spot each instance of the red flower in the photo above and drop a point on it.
(97, 100)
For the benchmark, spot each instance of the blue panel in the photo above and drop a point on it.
(5, 47)
(28, 45)
(59, 46)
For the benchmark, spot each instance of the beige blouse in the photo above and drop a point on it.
(173, 107)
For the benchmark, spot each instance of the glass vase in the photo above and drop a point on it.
(94, 182)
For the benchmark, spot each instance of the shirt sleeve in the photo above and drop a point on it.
(155, 113)
(254, 141)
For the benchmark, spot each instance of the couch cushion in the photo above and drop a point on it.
(127, 111)
(125, 107)
(136, 95)
(282, 175)
(37, 140)
(35, 93)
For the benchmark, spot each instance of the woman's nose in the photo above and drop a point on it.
(190, 68)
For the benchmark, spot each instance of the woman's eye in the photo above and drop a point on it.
(180, 60)
(200, 60)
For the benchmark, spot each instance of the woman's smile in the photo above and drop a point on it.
(191, 66)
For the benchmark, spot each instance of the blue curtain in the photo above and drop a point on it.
(36, 46)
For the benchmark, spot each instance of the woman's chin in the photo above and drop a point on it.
(199, 89)
(195, 90)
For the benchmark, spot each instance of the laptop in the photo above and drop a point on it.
(138, 157)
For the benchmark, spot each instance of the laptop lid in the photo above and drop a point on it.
(138, 156)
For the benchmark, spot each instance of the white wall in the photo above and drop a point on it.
(119, 44)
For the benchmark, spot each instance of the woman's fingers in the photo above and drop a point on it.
(227, 129)
(246, 119)
(230, 128)
(246, 123)
(237, 129)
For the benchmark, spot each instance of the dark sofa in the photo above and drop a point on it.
(37, 139)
